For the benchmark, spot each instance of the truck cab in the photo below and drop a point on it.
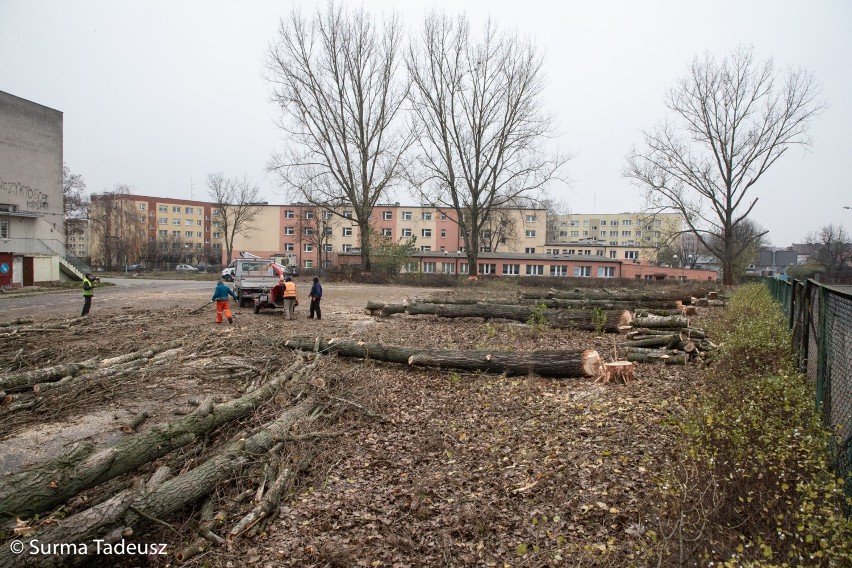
(254, 276)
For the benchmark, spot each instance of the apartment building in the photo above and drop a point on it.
(622, 236)
(157, 231)
(317, 236)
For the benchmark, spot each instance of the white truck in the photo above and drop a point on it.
(253, 276)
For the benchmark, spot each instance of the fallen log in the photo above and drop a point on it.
(576, 319)
(652, 341)
(586, 363)
(42, 487)
(659, 357)
(385, 310)
(656, 322)
(550, 363)
(651, 351)
(682, 294)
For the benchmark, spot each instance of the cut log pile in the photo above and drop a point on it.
(665, 339)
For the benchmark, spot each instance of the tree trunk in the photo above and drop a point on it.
(42, 487)
(577, 319)
(551, 363)
(651, 341)
(585, 363)
(682, 294)
(658, 357)
(656, 322)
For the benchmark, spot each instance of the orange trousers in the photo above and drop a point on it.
(223, 306)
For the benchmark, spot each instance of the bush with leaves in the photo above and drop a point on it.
(753, 483)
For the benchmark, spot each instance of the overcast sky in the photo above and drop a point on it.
(160, 93)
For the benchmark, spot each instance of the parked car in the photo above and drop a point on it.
(185, 268)
(136, 268)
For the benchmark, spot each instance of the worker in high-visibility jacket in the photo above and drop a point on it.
(223, 306)
(291, 297)
(88, 292)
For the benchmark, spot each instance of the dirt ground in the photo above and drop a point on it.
(421, 467)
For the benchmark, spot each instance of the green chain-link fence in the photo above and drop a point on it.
(821, 319)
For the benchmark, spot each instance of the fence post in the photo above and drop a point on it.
(822, 351)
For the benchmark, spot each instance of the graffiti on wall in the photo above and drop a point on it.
(31, 198)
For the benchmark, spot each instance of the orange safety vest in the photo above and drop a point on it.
(289, 290)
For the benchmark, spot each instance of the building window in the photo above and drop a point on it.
(606, 272)
(406, 215)
(583, 271)
(603, 222)
(575, 233)
(487, 268)
(175, 221)
(329, 248)
(614, 223)
(447, 267)
(443, 233)
(141, 207)
(627, 222)
(189, 211)
(529, 250)
(530, 233)
(188, 222)
(308, 264)
(217, 235)
(387, 215)
(347, 231)
(443, 216)
(198, 234)
(288, 247)
(631, 254)
(558, 270)
(511, 269)
(309, 247)
(163, 221)
(289, 231)
(347, 214)
(288, 214)
(199, 223)
(176, 234)
(406, 232)
(426, 216)
(613, 233)
(429, 267)
(176, 209)
(530, 218)
(308, 231)
(425, 248)
(327, 215)
(386, 232)
(163, 208)
(613, 253)
(625, 233)
(535, 269)
(426, 233)
(163, 233)
(309, 214)
(464, 268)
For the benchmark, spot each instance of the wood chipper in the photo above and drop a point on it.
(271, 297)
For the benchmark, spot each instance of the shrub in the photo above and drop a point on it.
(753, 484)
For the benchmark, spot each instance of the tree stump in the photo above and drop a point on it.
(619, 372)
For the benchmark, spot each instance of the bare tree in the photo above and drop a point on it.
(734, 119)
(555, 208)
(118, 233)
(477, 106)
(832, 249)
(235, 205)
(336, 79)
(75, 203)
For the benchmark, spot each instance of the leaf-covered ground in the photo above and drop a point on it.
(433, 467)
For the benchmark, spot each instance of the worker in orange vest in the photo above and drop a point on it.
(291, 297)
